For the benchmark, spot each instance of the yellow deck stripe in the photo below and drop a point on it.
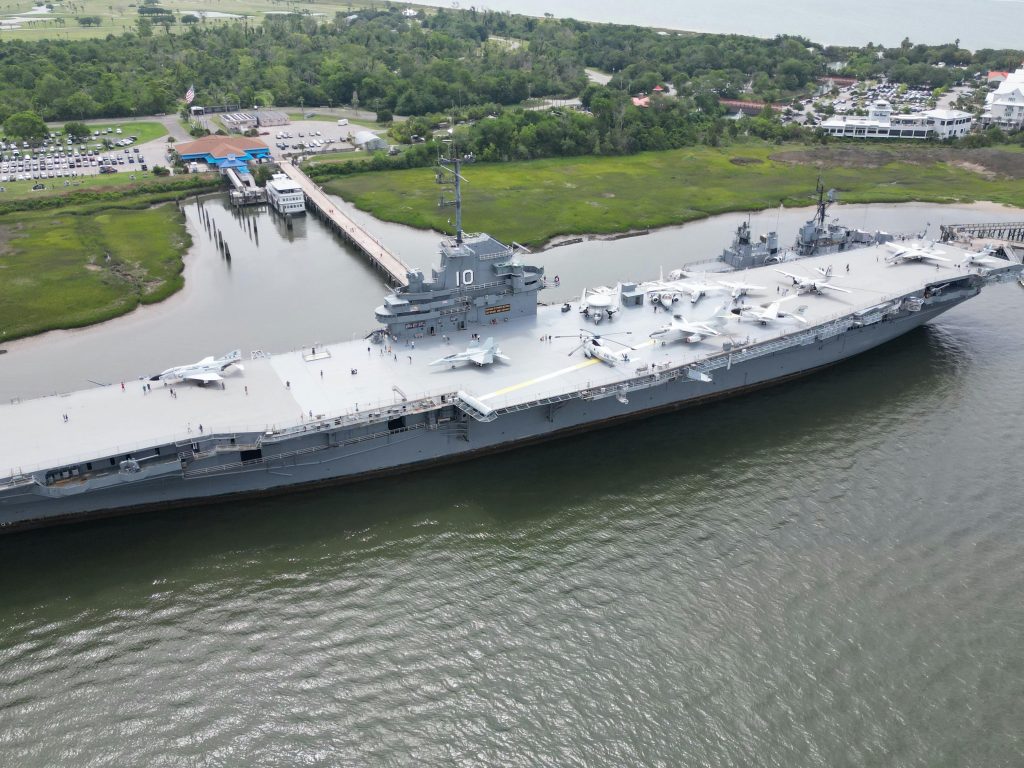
(555, 374)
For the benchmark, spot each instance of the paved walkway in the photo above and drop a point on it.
(380, 256)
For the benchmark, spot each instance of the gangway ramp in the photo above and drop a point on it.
(354, 233)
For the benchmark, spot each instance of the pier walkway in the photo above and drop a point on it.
(244, 190)
(320, 204)
(1012, 231)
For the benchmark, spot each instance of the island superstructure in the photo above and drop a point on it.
(429, 385)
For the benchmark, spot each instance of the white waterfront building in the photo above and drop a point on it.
(1004, 107)
(882, 123)
(286, 196)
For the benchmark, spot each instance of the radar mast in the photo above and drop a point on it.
(449, 175)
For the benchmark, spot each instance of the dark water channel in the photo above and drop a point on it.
(823, 574)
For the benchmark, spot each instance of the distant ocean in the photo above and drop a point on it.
(977, 23)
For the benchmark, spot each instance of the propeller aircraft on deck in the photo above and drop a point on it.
(812, 284)
(737, 289)
(206, 370)
(601, 302)
(476, 353)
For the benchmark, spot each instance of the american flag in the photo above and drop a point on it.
(190, 94)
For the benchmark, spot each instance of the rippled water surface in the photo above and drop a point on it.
(827, 573)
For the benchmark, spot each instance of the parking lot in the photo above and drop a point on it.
(60, 158)
(62, 162)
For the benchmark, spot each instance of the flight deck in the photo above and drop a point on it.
(370, 380)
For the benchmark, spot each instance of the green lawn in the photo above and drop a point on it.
(63, 269)
(120, 16)
(120, 181)
(315, 116)
(530, 202)
(336, 157)
(145, 130)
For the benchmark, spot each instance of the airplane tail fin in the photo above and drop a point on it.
(720, 317)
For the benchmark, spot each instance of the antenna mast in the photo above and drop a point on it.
(448, 175)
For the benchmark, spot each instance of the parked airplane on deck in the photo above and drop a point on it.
(206, 370)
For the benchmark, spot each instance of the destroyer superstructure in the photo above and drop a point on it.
(817, 236)
(378, 405)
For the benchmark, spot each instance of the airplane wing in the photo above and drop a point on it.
(773, 306)
(204, 376)
(834, 287)
(790, 275)
(794, 316)
(458, 357)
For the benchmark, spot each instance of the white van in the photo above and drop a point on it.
(343, 121)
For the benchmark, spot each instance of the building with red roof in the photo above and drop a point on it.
(213, 150)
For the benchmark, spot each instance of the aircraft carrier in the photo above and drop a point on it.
(462, 363)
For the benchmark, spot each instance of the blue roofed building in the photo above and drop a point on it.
(214, 150)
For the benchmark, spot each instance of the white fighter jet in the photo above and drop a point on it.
(476, 353)
(669, 292)
(901, 254)
(982, 258)
(206, 370)
(814, 285)
(767, 313)
(680, 329)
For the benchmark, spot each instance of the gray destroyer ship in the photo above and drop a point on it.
(817, 236)
(462, 363)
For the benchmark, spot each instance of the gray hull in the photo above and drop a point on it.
(329, 453)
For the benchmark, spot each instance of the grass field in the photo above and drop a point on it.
(61, 269)
(532, 202)
(120, 182)
(315, 116)
(333, 157)
(145, 130)
(120, 16)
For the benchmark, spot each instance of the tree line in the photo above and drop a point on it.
(381, 60)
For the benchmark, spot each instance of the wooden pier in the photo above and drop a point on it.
(1012, 232)
(322, 206)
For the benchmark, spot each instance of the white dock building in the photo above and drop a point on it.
(286, 195)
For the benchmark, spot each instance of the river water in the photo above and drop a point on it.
(824, 574)
(975, 23)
